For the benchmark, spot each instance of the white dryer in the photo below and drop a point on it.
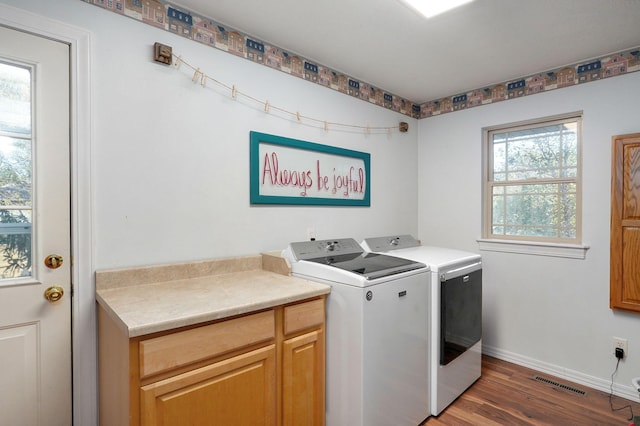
(456, 309)
(377, 332)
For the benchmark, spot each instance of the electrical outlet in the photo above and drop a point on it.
(619, 342)
(311, 233)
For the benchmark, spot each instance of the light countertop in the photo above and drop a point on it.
(157, 298)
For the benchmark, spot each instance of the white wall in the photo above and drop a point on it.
(549, 313)
(171, 159)
(171, 183)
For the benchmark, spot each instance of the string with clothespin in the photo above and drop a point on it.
(202, 78)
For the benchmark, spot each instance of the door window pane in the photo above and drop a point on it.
(16, 192)
(15, 99)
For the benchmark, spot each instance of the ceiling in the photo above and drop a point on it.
(390, 46)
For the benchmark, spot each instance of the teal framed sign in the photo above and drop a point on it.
(291, 171)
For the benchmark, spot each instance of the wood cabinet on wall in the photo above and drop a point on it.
(264, 368)
(625, 223)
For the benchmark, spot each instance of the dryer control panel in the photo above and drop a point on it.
(392, 242)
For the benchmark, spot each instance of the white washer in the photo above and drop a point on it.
(456, 309)
(377, 332)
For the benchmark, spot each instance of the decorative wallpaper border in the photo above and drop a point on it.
(165, 15)
(613, 65)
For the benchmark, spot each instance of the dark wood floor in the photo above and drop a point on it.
(507, 394)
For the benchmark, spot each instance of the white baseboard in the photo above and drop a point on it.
(623, 391)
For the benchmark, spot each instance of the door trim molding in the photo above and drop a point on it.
(83, 317)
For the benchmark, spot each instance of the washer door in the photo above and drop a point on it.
(396, 352)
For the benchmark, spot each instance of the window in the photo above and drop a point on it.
(532, 181)
(15, 171)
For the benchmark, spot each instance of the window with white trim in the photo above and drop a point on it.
(532, 181)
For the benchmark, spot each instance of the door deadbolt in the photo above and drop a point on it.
(53, 261)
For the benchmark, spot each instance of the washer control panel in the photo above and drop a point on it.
(306, 250)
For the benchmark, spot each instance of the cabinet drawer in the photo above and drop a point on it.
(185, 347)
(303, 315)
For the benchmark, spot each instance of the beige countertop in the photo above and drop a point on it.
(157, 298)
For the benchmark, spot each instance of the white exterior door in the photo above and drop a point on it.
(35, 331)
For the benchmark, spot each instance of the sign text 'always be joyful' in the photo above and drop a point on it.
(289, 171)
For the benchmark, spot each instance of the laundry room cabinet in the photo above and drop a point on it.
(232, 341)
(238, 388)
(625, 223)
(303, 364)
(264, 368)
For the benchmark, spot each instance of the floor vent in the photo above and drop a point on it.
(560, 385)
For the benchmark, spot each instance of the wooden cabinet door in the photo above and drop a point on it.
(303, 367)
(238, 391)
(625, 223)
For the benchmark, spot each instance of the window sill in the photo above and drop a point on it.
(572, 251)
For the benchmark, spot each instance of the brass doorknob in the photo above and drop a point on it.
(54, 293)
(53, 261)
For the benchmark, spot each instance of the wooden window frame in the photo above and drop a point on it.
(562, 247)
